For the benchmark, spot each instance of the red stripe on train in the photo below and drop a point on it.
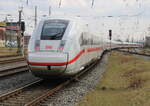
(70, 61)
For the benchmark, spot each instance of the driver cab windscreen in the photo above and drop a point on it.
(54, 29)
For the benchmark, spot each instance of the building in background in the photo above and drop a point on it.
(12, 29)
(2, 34)
(8, 34)
(26, 40)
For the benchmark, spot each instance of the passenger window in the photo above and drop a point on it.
(81, 39)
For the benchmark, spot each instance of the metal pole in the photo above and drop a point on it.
(23, 51)
(92, 4)
(60, 3)
(49, 11)
(110, 37)
(35, 16)
(11, 32)
(19, 33)
(27, 2)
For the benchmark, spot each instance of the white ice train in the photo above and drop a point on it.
(63, 47)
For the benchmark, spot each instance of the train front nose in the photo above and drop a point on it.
(44, 64)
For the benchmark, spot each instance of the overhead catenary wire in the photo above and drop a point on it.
(49, 13)
(27, 2)
(60, 2)
(92, 3)
(35, 16)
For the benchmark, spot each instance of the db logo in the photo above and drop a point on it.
(48, 47)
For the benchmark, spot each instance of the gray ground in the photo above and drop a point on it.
(144, 57)
(72, 94)
(15, 81)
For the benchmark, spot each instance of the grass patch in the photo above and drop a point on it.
(8, 51)
(126, 82)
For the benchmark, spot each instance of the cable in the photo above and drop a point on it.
(92, 3)
(60, 3)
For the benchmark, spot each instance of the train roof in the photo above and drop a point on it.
(72, 19)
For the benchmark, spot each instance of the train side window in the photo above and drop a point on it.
(81, 39)
(88, 41)
(85, 40)
(91, 41)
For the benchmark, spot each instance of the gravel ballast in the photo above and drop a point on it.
(73, 93)
(13, 82)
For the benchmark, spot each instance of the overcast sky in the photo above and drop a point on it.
(125, 12)
(101, 7)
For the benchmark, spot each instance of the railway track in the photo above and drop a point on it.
(7, 72)
(5, 56)
(37, 93)
(131, 52)
(11, 60)
(13, 68)
(12, 65)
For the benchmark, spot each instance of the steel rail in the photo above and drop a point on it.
(11, 60)
(148, 55)
(11, 71)
(17, 91)
(4, 56)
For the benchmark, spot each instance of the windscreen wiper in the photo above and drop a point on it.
(56, 35)
(53, 36)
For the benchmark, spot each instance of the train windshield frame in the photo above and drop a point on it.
(54, 29)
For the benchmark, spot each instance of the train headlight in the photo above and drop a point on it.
(37, 45)
(62, 44)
